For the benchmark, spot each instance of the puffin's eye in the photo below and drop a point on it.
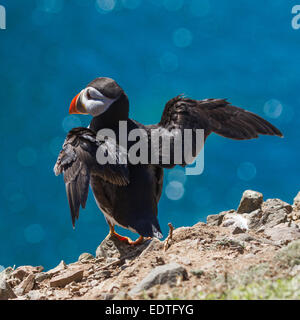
(94, 94)
(88, 94)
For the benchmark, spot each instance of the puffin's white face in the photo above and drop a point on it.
(90, 101)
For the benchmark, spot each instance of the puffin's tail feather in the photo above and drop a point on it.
(146, 229)
(156, 233)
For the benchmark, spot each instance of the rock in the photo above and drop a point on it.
(6, 291)
(154, 245)
(283, 232)
(85, 257)
(96, 292)
(254, 218)
(167, 273)
(235, 220)
(57, 269)
(216, 219)
(102, 274)
(297, 202)
(272, 213)
(111, 260)
(35, 295)
(111, 247)
(251, 200)
(197, 273)
(238, 230)
(22, 272)
(275, 211)
(244, 237)
(28, 283)
(185, 261)
(41, 277)
(6, 273)
(66, 277)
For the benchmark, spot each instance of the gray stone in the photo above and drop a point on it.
(297, 202)
(154, 245)
(22, 272)
(102, 274)
(66, 277)
(283, 232)
(238, 230)
(111, 260)
(234, 220)
(6, 291)
(273, 205)
(254, 218)
(275, 211)
(41, 277)
(197, 273)
(167, 273)
(85, 257)
(251, 200)
(57, 269)
(6, 273)
(28, 283)
(216, 219)
(35, 295)
(244, 237)
(112, 247)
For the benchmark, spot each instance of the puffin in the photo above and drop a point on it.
(128, 193)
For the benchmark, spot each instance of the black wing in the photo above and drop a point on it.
(77, 161)
(212, 115)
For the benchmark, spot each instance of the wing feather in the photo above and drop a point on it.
(77, 161)
(213, 115)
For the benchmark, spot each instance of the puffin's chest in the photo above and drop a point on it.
(140, 192)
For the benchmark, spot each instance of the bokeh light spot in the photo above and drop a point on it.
(273, 108)
(34, 233)
(27, 156)
(71, 122)
(50, 6)
(177, 175)
(175, 190)
(182, 37)
(246, 171)
(168, 62)
(105, 6)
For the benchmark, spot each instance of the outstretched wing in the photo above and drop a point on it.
(212, 115)
(77, 161)
(215, 115)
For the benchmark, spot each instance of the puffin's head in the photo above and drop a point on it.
(97, 97)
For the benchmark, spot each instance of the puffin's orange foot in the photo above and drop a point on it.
(121, 238)
(128, 240)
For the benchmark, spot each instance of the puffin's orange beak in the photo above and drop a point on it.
(73, 106)
(73, 109)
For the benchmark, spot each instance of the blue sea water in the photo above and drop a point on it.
(245, 51)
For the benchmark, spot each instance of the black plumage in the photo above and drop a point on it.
(129, 194)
